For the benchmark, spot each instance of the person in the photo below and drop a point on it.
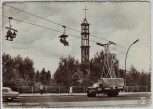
(63, 39)
(9, 34)
(14, 35)
(71, 90)
(41, 89)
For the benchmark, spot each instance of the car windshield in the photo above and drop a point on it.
(5, 90)
(96, 85)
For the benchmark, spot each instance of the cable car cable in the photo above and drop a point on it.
(46, 27)
(57, 31)
(61, 24)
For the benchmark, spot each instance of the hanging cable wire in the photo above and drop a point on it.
(34, 15)
(56, 31)
(61, 24)
(46, 28)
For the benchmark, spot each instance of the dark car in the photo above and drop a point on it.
(8, 94)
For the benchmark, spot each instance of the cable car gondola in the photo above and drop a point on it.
(63, 38)
(10, 35)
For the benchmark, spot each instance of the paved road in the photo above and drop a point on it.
(123, 100)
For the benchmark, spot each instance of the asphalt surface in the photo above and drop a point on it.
(123, 100)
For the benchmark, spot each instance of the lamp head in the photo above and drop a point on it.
(136, 41)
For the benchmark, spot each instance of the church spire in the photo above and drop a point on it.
(85, 40)
(85, 11)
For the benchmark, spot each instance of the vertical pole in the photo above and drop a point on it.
(32, 89)
(59, 89)
(84, 89)
(85, 11)
(126, 57)
(125, 62)
(137, 89)
(127, 88)
(146, 88)
(64, 28)
(46, 89)
(9, 22)
(18, 88)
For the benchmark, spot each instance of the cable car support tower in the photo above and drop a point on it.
(108, 62)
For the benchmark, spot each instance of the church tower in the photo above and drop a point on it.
(85, 40)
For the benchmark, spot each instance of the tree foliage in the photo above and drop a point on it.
(17, 71)
(71, 72)
(64, 74)
(98, 69)
(136, 78)
(20, 71)
(45, 77)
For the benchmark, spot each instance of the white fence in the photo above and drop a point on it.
(137, 88)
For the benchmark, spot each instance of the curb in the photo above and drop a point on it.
(75, 94)
(51, 94)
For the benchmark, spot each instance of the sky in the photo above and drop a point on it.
(120, 22)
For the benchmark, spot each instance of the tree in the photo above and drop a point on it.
(66, 70)
(71, 72)
(132, 77)
(37, 76)
(145, 79)
(17, 71)
(43, 76)
(97, 66)
(7, 68)
(48, 78)
(28, 71)
(121, 73)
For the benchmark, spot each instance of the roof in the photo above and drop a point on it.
(85, 21)
(6, 88)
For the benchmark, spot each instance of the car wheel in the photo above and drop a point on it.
(109, 94)
(115, 94)
(89, 95)
(112, 94)
(94, 95)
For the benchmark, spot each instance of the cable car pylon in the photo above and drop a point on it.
(109, 61)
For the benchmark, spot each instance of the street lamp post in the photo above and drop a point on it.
(126, 57)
